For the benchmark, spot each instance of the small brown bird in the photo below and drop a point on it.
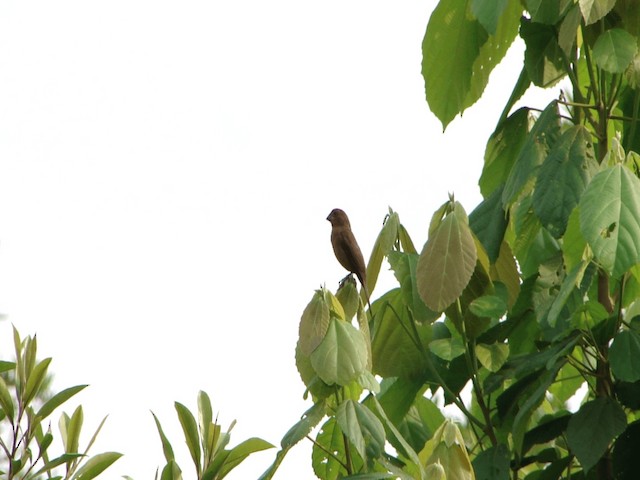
(345, 246)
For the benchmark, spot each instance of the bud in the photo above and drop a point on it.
(435, 471)
(449, 451)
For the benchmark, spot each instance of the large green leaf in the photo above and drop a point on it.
(341, 357)
(624, 356)
(614, 50)
(544, 11)
(328, 455)
(362, 428)
(450, 47)
(447, 261)
(593, 428)
(540, 140)
(563, 177)
(594, 10)
(543, 56)
(404, 266)
(395, 353)
(493, 51)
(493, 463)
(314, 323)
(610, 219)
(488, 13)
(502, 150)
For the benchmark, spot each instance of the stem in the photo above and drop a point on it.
(326, 451)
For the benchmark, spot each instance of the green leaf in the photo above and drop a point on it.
(540, 140)
(404, 266)
(610, 219)
(166, 445)
(502, 150)
(544, 11)
(573, 243)
(56, 462)
(70, 430)
(569, 284)
(6, 366)
(240, 452)
(447, 261)
(493, 463)
(489, 222)
(594, 10)
(394, 351)
(491, 306)
(447, 348)
(205, 419)
(383, 244)
(626, 461)
(57, 400)
(96, 465)
(614, 50)
(190, 429)
(328, 454)
(36, 379)
(593, 427)
(543, 56)
(362, 428)
(300, 430)
(624, 356)
(488, 13)
(171, 471)
(450, 47)
(342, 355)
(314, 323)
(569, 29)
(563, 177)
(493, 356)
(6, 402)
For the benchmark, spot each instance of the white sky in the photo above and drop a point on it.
(166, 171)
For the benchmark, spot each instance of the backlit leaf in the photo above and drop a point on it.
(447, 261)
(610, 219)
(314, 323)
(493, 356)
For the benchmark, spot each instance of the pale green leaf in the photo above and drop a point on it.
(300, 430)
(314, 323)
(447, 348)
(614, 50)
(57, 400)
(493, 356)
(190, 430)
(35, 380)
(342, 355)
(610, 219)
(6, 402)
(447, 261)
(594, 10)
(491, 306)
(383, 244)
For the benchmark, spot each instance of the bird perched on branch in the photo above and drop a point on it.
(346, 248)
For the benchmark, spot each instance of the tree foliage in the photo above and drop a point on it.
(532, 297)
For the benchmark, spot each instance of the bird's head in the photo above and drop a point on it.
(338, 218)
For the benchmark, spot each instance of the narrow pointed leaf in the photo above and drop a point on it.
(96, 465)
(190, 429)
(610, 219)
(240, 452)
(6, 402)
(57, 400)
(166, 445)
(36, 379)
(447, 261)
(381, 247)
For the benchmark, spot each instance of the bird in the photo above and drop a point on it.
(346, 247)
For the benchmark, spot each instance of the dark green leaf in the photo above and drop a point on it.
(624, 356)
(488, 13)
(539, 141)
(493, 464)
(543, 56)
(489, 222)
(563, 177)
(544, 11)
(626, 461)
(593, 428)
(545, 431)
